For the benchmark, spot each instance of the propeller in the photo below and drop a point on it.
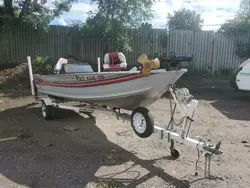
(148, 64)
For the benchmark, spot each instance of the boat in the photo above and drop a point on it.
(125, 89)
(116, 88)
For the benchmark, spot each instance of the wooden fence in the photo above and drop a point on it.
(211, 51)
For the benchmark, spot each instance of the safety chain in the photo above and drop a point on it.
(208, 157)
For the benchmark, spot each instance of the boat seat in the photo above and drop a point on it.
(114, 61)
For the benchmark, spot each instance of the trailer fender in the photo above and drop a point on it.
(47, 101)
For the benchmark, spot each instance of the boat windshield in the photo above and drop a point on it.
(78, 68)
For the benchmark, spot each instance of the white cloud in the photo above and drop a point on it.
(160, 11)
(220, 12)
(213, 12)
(79, 11)
(62, 22)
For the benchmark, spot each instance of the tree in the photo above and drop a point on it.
(240, 24)
(114, 20)
(185, 19)
(145, 26)
(32, 12)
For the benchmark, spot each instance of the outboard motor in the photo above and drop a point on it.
(67, 66)
(59, 65)
(174, 62)
(114, 61)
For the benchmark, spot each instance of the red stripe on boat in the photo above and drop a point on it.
(99, 83)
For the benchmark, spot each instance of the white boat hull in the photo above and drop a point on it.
(125, 90)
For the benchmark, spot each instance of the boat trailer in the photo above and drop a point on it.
(143, 124)
(142, 121)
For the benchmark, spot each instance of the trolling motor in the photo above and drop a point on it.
(174, 62)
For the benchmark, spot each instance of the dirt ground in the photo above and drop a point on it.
(106, 150)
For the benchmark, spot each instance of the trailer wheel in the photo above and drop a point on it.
(142, 122)
(175, 153)
(47, 111)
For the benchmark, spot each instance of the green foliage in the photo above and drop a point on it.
(235, 27)
(79, 24)
(32, 12)
(145, 27)
(2, 86)
(128, 12)
(42, 65)
(114, 19)
(239, 26)
(185, 19)
(243, 49)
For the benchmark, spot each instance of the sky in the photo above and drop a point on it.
(214, 12)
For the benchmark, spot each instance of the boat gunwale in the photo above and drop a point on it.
(110, 73)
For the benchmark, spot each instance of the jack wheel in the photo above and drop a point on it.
(47, 111)
(142, 122)
(175, 153)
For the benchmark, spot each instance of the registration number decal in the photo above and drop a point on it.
(90, 78)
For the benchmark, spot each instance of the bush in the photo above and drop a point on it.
(42, 65)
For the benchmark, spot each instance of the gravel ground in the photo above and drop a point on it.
(106, 150)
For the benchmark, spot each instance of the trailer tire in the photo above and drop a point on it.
(175, 153)
(142, 122)
(47, 111)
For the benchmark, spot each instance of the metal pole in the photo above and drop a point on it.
(99, 64)
(31, 75)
